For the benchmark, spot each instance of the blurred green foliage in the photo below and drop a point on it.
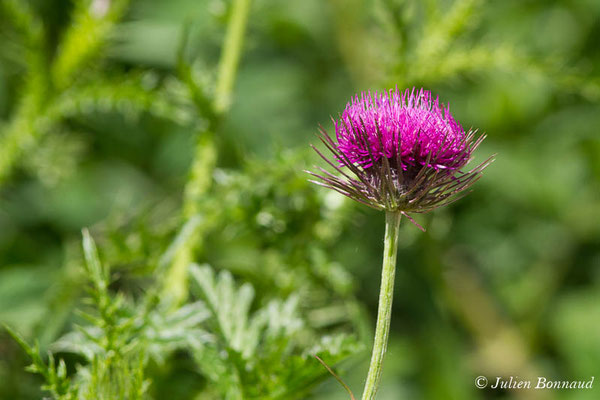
(113, 116)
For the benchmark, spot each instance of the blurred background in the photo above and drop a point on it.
(101, 127)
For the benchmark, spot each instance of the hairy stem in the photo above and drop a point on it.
(199, 182)
(230, 58)
(384, 313)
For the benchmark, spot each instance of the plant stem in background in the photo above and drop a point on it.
(384, 313)
(230, 58)
(199, 182)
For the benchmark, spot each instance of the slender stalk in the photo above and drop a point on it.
(384, 313)
(337, 378)
(199, 183)
(230, 58)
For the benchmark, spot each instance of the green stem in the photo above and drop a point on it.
(204, 162)
(384, 313)
(230, 58)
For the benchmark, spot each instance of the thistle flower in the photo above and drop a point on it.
(405, 149)
(407, 154)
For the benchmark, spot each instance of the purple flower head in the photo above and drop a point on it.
(410, 124)
(405, 150)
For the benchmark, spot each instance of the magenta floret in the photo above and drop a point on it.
(406, 152)
(413, 120)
